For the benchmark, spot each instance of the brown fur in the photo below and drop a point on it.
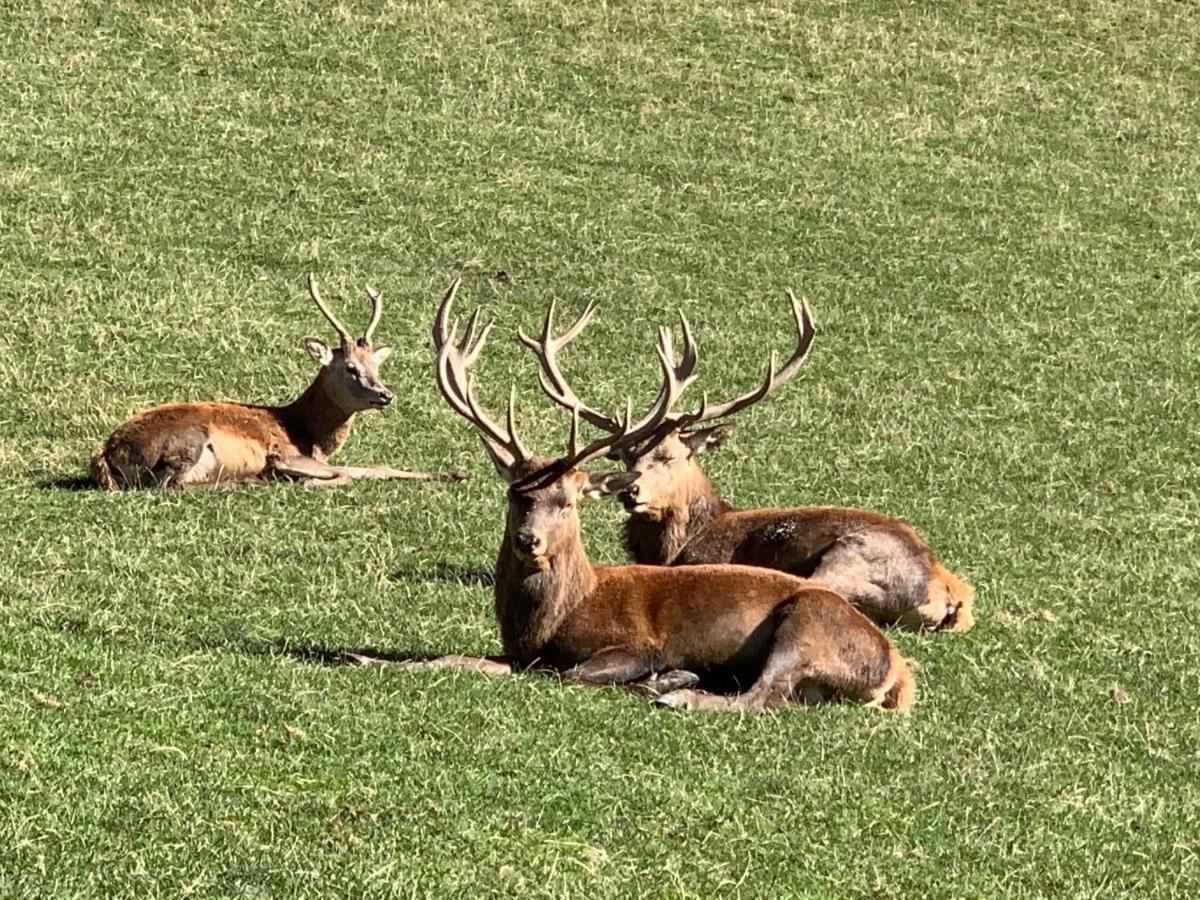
(101, 472)
(771, 635)
(881, 564)
(767, 636)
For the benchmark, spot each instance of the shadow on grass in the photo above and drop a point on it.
(445, 572)
(67, 483)
(325, 655)
(305, 651)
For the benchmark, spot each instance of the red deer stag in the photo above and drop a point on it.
(734, 626)
(209, 443)
(881, 564)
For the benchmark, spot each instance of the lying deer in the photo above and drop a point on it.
(209, 443)
(676, 517)
(783, 637)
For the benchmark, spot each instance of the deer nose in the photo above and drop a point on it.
(386, 397)
(528, 543)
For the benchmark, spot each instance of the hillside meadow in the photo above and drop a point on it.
(992, 209)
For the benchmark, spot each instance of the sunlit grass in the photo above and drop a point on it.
(992, 210)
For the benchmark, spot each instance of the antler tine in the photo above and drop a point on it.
(775, 378)
(668, 395)
(441, 334)
(550, 376)
(519, 449)
(602, 444)
(573, 440)
(576, 456)
(376, 312)
(456, 381)
(341, 329)
(691, 353)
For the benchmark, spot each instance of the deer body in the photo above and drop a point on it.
(620, 624)
(879, 563)
(775, 637)
(219, 443)
(210, 443)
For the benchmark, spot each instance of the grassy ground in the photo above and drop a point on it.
(992, 209)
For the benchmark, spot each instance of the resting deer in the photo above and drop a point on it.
(781, 637)
(209, 443)
(676, 517)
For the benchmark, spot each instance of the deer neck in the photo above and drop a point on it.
(659, 541)
(532, 603)
(318, 425)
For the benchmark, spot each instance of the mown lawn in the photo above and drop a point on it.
(993, 210)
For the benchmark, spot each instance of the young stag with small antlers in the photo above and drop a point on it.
(220, 443)
(676, 518)
(781, 637)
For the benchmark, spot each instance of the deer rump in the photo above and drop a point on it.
(880, 564)
(190, 443)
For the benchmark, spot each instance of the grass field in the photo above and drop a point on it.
(993, 210)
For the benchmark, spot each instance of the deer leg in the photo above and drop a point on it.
(690, 698)
(387, 472)
(927, 616)
(306, 470)
(846, 572)
(616, 665)
(484, 665)
(185, 456)
(638, 670)
(666, 682)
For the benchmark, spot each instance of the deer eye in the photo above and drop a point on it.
(352, 369)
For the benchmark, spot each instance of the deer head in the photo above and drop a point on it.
(350, 373)
(664, 460)
(543, 493)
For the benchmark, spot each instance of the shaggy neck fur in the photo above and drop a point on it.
(316, 422)
(531, 603)
(657, 542)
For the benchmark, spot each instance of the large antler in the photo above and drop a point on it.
(555, 385)
(805, 331)
(456, 382)
(457, 355)
(343, 332)
(675, 377)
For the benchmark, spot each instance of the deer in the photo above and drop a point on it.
(755, 639)
(880, 563)
(188, 444)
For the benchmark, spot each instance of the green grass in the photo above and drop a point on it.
(993, 210)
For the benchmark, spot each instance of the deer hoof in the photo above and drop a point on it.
(672, 680)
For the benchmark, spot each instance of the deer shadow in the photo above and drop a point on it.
(67, 483)
(464, 575)
(323, 654)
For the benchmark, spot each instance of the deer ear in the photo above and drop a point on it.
(604, 484)
(318, 350)
(381, 354)
(707, 438)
